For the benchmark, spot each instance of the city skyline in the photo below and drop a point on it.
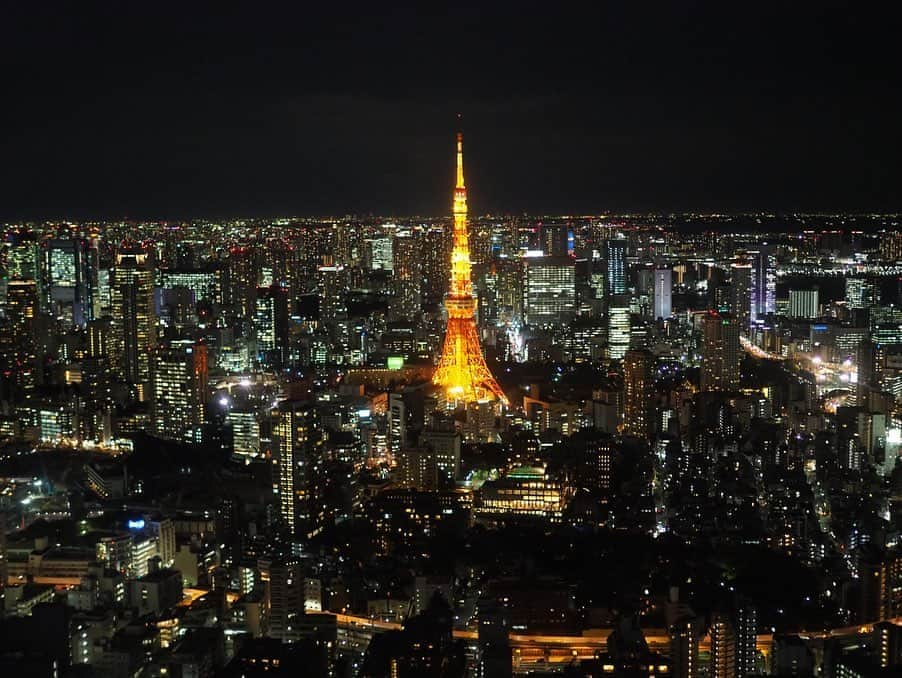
(614, 404)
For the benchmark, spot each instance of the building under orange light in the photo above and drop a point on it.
(462, 370)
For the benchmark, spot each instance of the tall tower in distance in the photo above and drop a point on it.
(462, 371)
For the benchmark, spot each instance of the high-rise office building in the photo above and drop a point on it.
(638, 382)
(332, 287)
(284, 595)
(618, 326)
(741, 293)
(98, 365)
(380, 253)
(721, 352)
(271, 326)
(134, 316)
(557, 238)
(549, 290)
(662, 293)
(245, 426)
(436, 265)
(70, 279)
(445, 443)
(764, 284)
(598, 453)
(891, 246)
(417, 468)
(23, 258)
(861, 292)
(241, 280)
(615, 259)
(179, 390)
(298, 443)
(203, 284)
(804, 304)
(408, 275)
(868, 359)
(18, 339)
(397, 423)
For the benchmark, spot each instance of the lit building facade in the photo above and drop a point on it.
(615, 258)
(525, 491)
(134, 314)
(271, 326)
(804, 304)
(638, 382)
(298, 444)
(179, 390)
(618, 327)
(663, 293)
(764, 284)
(549, 290)
(741, 293)
(720, 352)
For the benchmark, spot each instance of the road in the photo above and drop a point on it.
(546, 648)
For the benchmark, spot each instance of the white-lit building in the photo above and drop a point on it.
(618, 334)
(803, 303)
(663, 291)
(549, 290)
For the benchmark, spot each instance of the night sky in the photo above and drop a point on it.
(328, 108)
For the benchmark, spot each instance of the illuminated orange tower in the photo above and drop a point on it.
(462, 371)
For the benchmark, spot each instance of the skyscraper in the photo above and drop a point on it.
(379, 253)
(764, 284)
(70, 271)
(397, 423)
(803, 304)
(860, 292)
(618, 326)
(134, 328)
(663, 291)
(462, 371)
(285, 597)
(741, 293)
(408, 275)
(549, 290)
(638, 380)
(436, 265)
(18, 340)
(241, 274)
(23, 257)
(298, 443)
(720, 352)
(615, 258)
(179, 390)
(445, 442)
(869, 370)
(557, 238)
(271, 326)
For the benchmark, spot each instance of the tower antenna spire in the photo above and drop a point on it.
(460, 162)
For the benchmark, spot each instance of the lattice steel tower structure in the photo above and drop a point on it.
(462, 371)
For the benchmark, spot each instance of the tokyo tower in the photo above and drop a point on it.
(462, 371)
